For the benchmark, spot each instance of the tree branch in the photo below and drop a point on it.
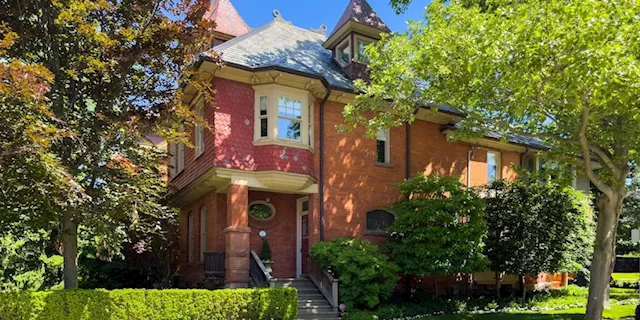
(586, 155)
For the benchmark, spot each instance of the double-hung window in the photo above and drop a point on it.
(199, 130)
(283, 115)
(493, 166)
(382, 146)
(289, 118)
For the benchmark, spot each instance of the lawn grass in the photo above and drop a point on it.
(626, 277)
(616, 312)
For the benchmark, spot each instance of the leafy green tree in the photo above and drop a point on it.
(439, 227)
(366, 275)
(565, 72)
(630, 218)
(29, 262)
(537, 225)
(101, 75)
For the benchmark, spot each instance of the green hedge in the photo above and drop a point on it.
(129, 304)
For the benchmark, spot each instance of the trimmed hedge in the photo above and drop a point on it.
(138, 304)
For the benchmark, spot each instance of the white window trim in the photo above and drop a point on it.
(203, 232)
(356, 52)
(346, 42)
(199, 130)
(387, 148)
(273, 92)
(498, 157)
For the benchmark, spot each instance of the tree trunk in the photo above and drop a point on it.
(603, 254)
(497, 275)
(70, 251)
(523, 286)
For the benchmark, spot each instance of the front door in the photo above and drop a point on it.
(304, 243)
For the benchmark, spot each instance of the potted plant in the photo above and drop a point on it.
(266, 255)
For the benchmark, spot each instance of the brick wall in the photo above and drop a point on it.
(281, 230)
(194, 271)
(230, 145)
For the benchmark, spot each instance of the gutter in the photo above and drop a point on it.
(321, 151)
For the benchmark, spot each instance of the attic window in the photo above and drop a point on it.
(343, 52)
(362, 55)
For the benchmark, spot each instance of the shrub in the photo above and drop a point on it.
(277, 303)
(366, 275)
(439, 227)
(266, 250)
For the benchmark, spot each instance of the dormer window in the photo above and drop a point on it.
(283, 116)
(343, 52)
(361, 55)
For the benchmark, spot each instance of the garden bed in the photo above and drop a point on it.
(566, 303)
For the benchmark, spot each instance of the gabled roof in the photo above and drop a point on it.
(361, 12)
(281, 45)
(227, 18)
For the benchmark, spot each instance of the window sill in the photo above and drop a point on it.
(384, 165)
(199, 155)
(284, 143)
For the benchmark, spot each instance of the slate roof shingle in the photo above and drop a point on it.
(281, 44)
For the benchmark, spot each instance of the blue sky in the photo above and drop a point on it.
(311, 14)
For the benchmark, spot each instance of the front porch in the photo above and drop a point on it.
(225, 227)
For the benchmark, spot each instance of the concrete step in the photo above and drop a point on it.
(317, 310)
(310, 296)
(313, 303)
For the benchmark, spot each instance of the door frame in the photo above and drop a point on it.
(299, 214)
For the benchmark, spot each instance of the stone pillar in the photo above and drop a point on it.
(236, 237)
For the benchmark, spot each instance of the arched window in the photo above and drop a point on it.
(203, 232)
(261, 210)
(191, 236)
(378, 220)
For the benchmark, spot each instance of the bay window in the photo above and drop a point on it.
(283, 116)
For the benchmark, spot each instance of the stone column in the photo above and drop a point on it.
(236, 237)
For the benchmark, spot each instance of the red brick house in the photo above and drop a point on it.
(274, 161)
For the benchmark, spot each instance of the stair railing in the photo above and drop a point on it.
(327, 284)
(258, 272)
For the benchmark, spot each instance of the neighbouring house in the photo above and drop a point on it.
(274, 161)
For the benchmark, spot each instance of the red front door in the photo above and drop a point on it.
(304, 247)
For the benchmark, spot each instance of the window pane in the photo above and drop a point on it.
(263, 127)
(379, 220)
(289, 108)
(305, 227)
(263, 106)
(260, 211)
(289, 129)
(492, 167)
(362, 55)
(382, 135)
(305, 205)
(346, 54)
(381, 151)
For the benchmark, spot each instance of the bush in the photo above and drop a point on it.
(278, 303)
(366, 275)
(439, 227)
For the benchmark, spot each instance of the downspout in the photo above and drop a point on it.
(407, 148)
(522, 164)
(469, 153)
(321, 151)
